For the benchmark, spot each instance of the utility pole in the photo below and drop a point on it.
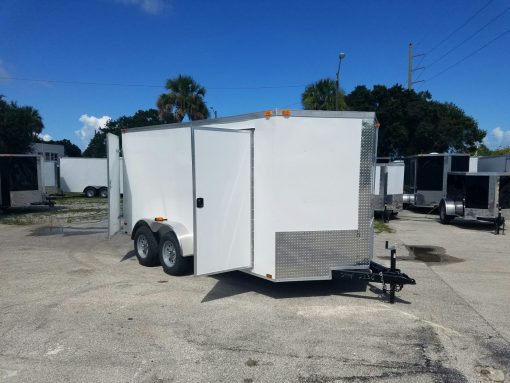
(341, 56)
(410, 68)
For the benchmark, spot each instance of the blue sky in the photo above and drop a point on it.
(241, 44)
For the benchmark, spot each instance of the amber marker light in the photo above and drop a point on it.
(268, 113)
(285, 112)
(159, 219)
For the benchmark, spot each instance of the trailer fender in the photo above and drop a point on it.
(409, 199)
(184, 237)
(453, 208)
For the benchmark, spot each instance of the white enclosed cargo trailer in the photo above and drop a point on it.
(85, 175)
(283, 195)
(389, 188)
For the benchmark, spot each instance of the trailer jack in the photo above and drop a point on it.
(499, 224)
(380, 274)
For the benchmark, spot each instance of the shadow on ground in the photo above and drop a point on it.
(65, 231)
(236, 282)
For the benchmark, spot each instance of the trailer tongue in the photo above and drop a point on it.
(377, 273)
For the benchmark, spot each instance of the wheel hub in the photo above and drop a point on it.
(169, 253)
(142, 246)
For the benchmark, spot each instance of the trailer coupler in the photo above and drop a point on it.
(381, 274)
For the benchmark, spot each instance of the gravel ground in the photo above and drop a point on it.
(71, 208)
(77, 307)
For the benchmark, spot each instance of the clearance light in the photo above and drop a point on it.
(377, 125)
(160, 219)
(269, 276)
(268, 113)
(285, 112)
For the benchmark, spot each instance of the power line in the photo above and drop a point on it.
(469, 38)
(469, 55)
(424, 56)
(459, 27)
(93, 83)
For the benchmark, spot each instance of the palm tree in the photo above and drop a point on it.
(185, 97)
(321, 95)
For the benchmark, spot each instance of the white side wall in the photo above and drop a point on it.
(395, 179)
(473, 164)
(49, 173)
(78, 173)
(158, 176)
(377, 183)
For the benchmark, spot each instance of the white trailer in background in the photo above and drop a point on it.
(283, 195)
(85, 175)
(389, 188)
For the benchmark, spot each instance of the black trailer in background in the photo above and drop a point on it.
(483, 196)
(21, 181)
(425, 177)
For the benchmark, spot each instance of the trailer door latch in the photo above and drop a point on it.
(200, 203)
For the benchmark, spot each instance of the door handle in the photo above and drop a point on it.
(200, 202)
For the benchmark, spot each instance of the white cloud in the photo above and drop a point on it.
(149, 6)
(3, 71)
(91, 124)
(497, 138)
(45, 137)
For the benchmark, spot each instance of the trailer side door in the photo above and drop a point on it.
(222, 176)
(113, 150)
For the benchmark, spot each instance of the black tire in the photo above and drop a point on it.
(90, 192)
(443, 217)
(103, 193)
(146, 247)
(170, 256)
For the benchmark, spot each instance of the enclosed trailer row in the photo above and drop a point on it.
(85, 175)
(282, 195)
(459, 185)
(21, 181)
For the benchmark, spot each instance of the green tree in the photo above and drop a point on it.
(321, 95)
(19, 127)
(483, 150)
(97, 146)
(412, 123)
(185, 97)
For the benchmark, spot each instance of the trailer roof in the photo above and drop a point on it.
(500, 156)
(258, 115)
(19, 155)
(480, 173)
(437, 155)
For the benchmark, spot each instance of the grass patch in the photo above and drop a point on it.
(381, 227)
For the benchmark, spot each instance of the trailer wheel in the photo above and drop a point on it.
(146, 247)
(90, 192)
(103, 193)
(170, 256)
(443, 217)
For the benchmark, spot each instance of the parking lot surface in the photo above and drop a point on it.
(77, 307)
